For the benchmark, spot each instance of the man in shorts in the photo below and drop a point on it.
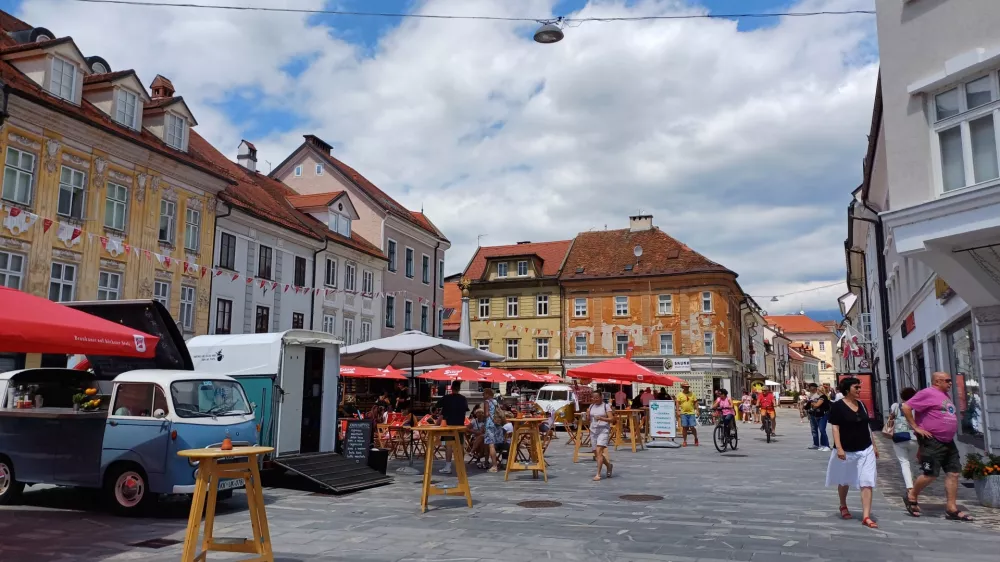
(931, 415)
(687, 405)
(766, 403)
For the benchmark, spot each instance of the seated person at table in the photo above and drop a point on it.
(477, 434)
(383, 401)
(550, 413)
(431, 418)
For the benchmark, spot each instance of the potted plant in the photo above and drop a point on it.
(86, 400)
(986, 474)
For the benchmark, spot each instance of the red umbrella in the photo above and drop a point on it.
(496, 375)
(455, 372)
(624, 370)
(370, 373)
(522, 375)
(30, 324)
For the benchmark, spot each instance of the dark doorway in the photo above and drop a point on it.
(919, 367)
(312, 400)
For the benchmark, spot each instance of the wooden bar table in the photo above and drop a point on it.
(527, 428)
(213, 465)
(582, 438)
(631, 417)
(435, 435)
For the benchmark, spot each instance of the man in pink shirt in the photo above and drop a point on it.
(646, 397)
(931, 414)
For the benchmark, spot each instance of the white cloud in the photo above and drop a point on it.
(745, 146)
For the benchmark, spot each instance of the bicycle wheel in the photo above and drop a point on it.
(719, 437)
(733, 438)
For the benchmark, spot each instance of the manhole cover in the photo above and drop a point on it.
(538, 504)
(156, 543)
(640, 498)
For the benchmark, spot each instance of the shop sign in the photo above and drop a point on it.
(671, 364)
(942, 291)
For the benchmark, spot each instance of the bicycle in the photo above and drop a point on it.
(725, 434)
(766, 426)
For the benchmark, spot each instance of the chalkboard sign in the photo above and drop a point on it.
(358, 440)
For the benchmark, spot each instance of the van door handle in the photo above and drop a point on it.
(112, 423)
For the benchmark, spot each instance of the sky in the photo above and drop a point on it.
(742, 137)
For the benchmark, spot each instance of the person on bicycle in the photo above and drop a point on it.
(724, 405)
(767, 404)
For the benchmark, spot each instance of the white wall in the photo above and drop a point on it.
(342, 305)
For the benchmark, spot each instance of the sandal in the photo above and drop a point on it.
(597, 478)
(492, 469)
(911, 506)
(868, 522)
(611, 468)
(958, 516)
(845, 513)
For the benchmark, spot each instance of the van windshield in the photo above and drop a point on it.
(208, 398)
(552, 395)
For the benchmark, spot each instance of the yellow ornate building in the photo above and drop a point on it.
(514, 304)
(102, 199)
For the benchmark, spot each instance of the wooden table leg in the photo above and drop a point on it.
(213, 487)
(463, 479)
(197, 505)
(264, 539)
(515, 443)
(432, 441)
(540, 452)
(633, 433)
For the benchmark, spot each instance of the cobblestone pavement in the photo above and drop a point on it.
(765, 502)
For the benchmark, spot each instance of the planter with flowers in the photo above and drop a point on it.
(986, 473)
(86, 400)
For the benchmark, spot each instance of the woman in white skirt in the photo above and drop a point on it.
(852, 463)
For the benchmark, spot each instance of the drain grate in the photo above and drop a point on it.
(539, 504)
(640, 498)
(156, 543)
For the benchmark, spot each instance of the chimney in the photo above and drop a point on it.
(247, 155)
(639, 223)
(161, 88)
(318, 143)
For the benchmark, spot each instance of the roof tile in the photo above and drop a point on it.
(453, 302)
(607, 253)
(551, 254)
(313, 199)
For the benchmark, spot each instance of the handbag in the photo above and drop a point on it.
(498, 415)
(889, 430)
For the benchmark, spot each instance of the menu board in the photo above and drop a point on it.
(662, 418)
(358, 440)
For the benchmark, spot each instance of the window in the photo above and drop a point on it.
(522, 268)
(62, 282)
(425, 269)
(368, 282)
(109, 286)
(706, 302)
(579, 308)
(173, 131)
(390, 311)
(63, 78)
(580, 345)
(621, 306)
(666, 344)
(512, 349)
(187, 307)
(168, 221)
(340, 224)
(136, 400)
(542, 348)
(542, 305)
(223, 316)
(330, 323)
(366, 331)
(965, 127)
(409, 263)
(621, 344)
(262, 321)
(18, 175)
(484, 308)
(822, 346)
(227, 251)
(407, 315)
(666, 304)
(192, 229)
(331, 273)
(512, 307)
(391, 254)
(125, 108)
(115, 206)
(300, 271)
(264, 255)
(11, 270)
(502, 269)
(298, 320)
(319, 169)
(424, 318)
(350, 276)
(483, 345)
(72, 190)
(709, 343)
(440, 274)
(161, 293)
(298, 173)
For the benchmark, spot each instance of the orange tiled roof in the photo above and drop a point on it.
(108, 76)
(552, 255)
(607, 253)
(798, 324)
(795, 354)
(313, 199)
(453, 303)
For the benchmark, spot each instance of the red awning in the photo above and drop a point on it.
(371, 373)
(30, 324)
(496, 375)
(624, 370)
(455, 372)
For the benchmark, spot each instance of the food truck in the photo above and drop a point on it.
(118, 426)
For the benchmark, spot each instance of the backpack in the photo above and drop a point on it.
(498, 416)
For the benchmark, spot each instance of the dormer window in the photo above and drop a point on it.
(340, 224)
(63, 82)
(173, 131)
(125, 108)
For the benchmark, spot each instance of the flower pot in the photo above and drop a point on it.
(76, 407)
(988, 491)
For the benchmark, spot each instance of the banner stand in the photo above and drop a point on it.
(663, 424)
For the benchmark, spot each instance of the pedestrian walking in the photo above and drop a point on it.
(931, 415)
(494, 427)
(755, 408)
(818, 410)
(904, 445)
(600, 414)
(687, 405)
(746, 408)
(853, 464)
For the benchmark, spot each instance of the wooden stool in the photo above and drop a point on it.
(527, 428)
(631, 417)
(582, 435)
(210, 470)
(434, 433)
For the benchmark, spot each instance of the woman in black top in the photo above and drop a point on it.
(853, 461)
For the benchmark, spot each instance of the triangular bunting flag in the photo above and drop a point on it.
(287, 286)
(235, 277)
(204, 270)
(274, 285)
(249, 280)
(262, 282)
(159, 257)
(104, 242)
(46, 225)
(14, 211)
(186, 266)
(148, 254)
(167, 260)
(128, 248)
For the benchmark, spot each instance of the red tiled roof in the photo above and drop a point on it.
(313, 199)
(108, 76)
(552, 255)
(20, 47)
(250, 145)
(426, 223)
(798, 324)
(452, 301)
(161, 82)
(10, 23)
(795, 354)
(606, 253)
(162, 102)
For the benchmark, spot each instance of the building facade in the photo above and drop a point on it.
(515, 304)
(413, 246)
(818, 340)
(777, 355)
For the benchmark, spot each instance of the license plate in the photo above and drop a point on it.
(232, 484)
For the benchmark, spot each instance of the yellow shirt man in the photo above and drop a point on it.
(687, 403)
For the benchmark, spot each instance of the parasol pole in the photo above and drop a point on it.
(413, 381)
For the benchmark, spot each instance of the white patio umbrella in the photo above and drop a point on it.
(772, 383)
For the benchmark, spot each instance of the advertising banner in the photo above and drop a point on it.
(663, 419)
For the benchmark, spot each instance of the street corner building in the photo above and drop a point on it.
(813, 346)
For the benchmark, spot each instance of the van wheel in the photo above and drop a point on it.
(10, 489)
(126, 490)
